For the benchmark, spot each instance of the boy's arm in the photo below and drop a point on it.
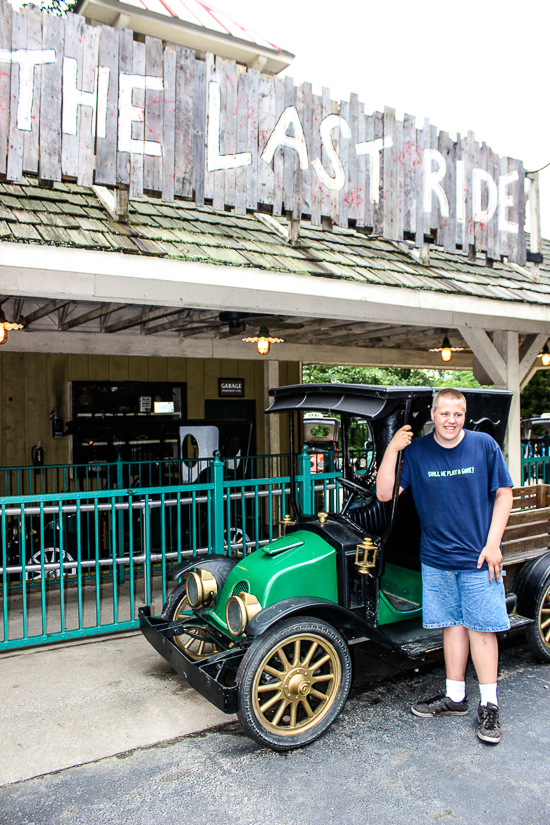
(492, 553)
(385, 478)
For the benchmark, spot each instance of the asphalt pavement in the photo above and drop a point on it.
(377, 764)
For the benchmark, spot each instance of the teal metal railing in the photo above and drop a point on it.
(535, 461)
(79, 563)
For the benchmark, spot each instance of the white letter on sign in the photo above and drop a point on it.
(327, 125)
(73, 97)
(216, 161)
(432, 181)
(279, 137)
(373, 149)
(492, 196)
(506, 202)
(127, 113)
(27, 59)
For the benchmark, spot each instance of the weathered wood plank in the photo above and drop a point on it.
(266, 124)
(220, 76)
(345, 194)
(369, 202)
(53, 34)
(469, 161)
(125, 63)
(353, 203)
(460, 193)
(72, 71)
(398, 161)
(184, 140)
(410, 160)
(289, 152)
(87, 114)
(200, 130)
(446, 235)
(491, 224)
(154, 114)
(422, 217)
(169, 126)
(252, 169)
(242, 143)
(334, 193)
(503, 242)
(279, 157)
(308, 175)
(107, 107)
(389, 175)
(30, 140)
(210, 77)
(16, 139)
(316, 191)
(6, 14)
(522, 251)
(325, 193)
(139, 57)
(378, 206)
(230, 130)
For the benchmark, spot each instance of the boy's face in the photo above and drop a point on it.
(448, 420)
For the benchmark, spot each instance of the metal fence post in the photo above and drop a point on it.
(305, 482)
(217, 511)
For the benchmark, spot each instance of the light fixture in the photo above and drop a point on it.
(5, 326)
(262, 340)
(446, 349)
(545, 355)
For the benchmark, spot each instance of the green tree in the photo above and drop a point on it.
(535, 398)
(57, 7)
(320, 374)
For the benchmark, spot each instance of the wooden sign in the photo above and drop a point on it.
(91, 104)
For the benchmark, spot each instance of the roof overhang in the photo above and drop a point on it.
(57, 272)
(182, 33)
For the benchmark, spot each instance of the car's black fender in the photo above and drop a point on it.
(219, 566)
(350, 625)
(528, 582)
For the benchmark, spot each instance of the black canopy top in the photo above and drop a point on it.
(367, 400)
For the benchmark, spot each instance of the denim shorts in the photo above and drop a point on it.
(463, 597)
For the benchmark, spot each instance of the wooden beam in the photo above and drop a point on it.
(486, 352)
(529, 351)
(142, 318)
(91, 315)
(42, 311)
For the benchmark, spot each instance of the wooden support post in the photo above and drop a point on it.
(534, 217)
(271, 422)
(507, 344)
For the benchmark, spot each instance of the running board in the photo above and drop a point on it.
(414, 640)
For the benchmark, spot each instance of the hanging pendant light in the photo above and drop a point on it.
(263, 340)
(446, 349)
(5, 326)
(545, 355)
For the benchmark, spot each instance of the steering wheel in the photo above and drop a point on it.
(355, 490)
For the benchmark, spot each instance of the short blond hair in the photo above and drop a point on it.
(448, 392)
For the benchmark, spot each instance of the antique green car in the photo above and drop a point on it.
(268, 635)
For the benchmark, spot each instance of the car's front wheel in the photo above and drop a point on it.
(293, 683)
(538, 634)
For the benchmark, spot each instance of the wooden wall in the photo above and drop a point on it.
(35, 384)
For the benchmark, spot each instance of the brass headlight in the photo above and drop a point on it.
(239, 610)
(200, 586)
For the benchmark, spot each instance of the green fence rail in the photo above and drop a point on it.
(77, 563)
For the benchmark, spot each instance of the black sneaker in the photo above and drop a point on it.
(488, 729)
(440, 706)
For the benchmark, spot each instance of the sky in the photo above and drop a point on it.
(480, 66)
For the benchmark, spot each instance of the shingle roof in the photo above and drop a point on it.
(71, 216)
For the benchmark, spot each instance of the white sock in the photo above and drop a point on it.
(456, 690)
(488, 694)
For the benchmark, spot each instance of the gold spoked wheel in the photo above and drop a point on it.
(197, 644)
(293, 682)
(538, 634)
(296, 684)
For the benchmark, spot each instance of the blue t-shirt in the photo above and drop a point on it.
(454, 493)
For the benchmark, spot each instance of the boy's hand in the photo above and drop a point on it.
(493, 556)
(401, 439)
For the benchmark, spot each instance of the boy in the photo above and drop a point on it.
(462, 491)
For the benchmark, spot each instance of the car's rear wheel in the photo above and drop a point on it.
(196, 644)
(293, 683)
(538, 634)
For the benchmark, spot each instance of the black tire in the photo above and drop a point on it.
(306, 652)
(52, 554)
(538, 633)
(178, 607)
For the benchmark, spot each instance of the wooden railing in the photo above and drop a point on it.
(527, 534)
